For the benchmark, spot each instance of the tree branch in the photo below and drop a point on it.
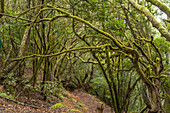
(151, 18)
(161, 6)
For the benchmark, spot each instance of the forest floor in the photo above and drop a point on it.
(77, 101)
(30, 101)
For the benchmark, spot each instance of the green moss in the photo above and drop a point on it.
(74, 110)
(79, 104)
(57, 105)
(93, 98)
(101, 103)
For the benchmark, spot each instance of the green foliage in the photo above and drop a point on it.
(163, 45)
(51, 88)
(164, 48)
(9, 79)
(96, 23)
(7, 96)
(9, 82)
(60, 97)
(80, 104)
(99, 82)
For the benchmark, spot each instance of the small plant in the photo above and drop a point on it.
(9, 82)
(9, 79)
(7, 96)
(3, 94)
(52, 88)
(79, 104)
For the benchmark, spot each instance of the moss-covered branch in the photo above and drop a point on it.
(89, 24)
(2, 8)
(161, 6)
(151, 18)
(62, 52)
(7, 15)
(24, 12)
(51, 19)
(92, 62)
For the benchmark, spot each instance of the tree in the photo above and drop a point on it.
(112, 35)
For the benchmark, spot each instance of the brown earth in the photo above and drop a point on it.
(93, 104)
(74, 102)
(28, 101)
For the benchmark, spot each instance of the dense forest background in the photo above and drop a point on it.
(117, 50)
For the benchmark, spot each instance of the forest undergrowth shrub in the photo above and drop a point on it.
(51, 88)
(9, 82)
(16, 86)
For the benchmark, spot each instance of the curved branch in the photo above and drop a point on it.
(62, 52)
(161, 6)
(24, 19)
(51, 19)
(151, 18)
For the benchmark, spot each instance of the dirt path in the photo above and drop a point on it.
(92, 103)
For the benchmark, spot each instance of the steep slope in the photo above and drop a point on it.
(75, 102)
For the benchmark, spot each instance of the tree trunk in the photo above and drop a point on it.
(23, 46)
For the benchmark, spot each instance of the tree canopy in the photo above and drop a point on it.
(114, 49)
